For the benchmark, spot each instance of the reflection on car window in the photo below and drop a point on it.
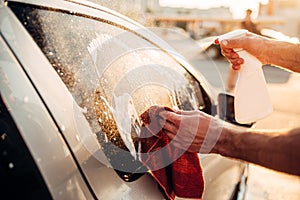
(113, 74)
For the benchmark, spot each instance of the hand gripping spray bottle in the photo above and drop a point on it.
(252, 101)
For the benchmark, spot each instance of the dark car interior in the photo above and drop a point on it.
(17, 167)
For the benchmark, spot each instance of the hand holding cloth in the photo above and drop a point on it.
(177, 171)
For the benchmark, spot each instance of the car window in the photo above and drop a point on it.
(113, 73)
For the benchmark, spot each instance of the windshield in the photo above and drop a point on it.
(113, 74)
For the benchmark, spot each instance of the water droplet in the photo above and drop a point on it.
(11, 165)
(126, 177)
(83, 69)
(26, 99)
(4, 153)
(62, 128)
(84, 110)
(3, 136)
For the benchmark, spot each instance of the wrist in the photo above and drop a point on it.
(226, 144)
(265, 51)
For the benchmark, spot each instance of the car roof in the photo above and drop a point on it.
(82, 3)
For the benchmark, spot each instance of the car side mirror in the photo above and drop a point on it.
(226, 109)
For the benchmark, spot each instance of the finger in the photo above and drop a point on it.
(181, 142)
(170, 127)
(230, 55)
(236, 62)
(169, 134)
(186, 112)
(174, 139)
(227, 50)
(236, 67)
(171, 117)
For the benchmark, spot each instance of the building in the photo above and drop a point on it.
(280, 15)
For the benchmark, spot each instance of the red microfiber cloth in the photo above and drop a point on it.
(178, 172)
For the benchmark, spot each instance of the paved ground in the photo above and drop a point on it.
(264, 184)
(284, 87)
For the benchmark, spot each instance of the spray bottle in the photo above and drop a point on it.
(252, 100)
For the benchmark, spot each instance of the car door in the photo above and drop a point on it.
(92, 67)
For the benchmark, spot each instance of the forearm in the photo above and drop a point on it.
(283, 54)
(276, 151)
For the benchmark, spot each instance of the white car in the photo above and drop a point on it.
(74, 77)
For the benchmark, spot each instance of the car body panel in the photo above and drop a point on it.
(32, 118)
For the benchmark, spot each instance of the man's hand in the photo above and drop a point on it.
(193, 131)
(252, 43)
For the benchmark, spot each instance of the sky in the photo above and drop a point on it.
(237, 7)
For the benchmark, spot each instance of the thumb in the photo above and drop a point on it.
(232, 43)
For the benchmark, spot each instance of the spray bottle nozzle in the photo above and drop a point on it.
(216, 41)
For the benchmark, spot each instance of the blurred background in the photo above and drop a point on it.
(204, 18)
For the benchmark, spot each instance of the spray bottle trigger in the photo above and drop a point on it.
(217, 41)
